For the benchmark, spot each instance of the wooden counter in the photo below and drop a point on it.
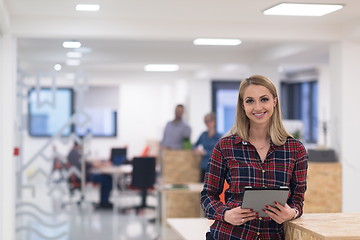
(316, 226)
(181, 202)
(180, 167)
(190, 228)
(311, 226)
(324, 184)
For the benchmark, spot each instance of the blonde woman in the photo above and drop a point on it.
(258, 152)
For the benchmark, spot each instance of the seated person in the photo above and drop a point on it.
(105, 180)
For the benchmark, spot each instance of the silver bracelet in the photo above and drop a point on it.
(296, 214)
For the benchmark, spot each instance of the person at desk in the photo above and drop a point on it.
(105, 180)
(176, 131)
(257, 152)
(206, 142)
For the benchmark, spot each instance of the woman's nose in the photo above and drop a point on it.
(258, 105)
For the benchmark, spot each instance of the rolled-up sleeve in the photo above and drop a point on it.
(213, 186)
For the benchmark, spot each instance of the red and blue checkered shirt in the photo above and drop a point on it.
(238, 162)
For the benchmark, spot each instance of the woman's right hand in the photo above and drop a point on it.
(238, 216)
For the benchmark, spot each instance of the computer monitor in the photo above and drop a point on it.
(118, 156)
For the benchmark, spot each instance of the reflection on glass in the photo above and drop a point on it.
(100, 122)
(49, 111)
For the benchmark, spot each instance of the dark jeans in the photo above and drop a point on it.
(105, 182)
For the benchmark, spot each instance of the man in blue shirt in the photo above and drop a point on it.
(176, 131)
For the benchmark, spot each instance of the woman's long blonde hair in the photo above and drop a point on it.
(276, 129)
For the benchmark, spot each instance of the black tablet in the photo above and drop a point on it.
(258, 197)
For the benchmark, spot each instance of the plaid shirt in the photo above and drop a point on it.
(238, 162)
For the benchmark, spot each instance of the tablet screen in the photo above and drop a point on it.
(258, 197)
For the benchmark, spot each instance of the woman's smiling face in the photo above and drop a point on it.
(258, 104)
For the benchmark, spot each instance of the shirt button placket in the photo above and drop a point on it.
(263, 172)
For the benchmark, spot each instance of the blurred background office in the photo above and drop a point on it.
(107, 90)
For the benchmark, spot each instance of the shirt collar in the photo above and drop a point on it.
(238, 140)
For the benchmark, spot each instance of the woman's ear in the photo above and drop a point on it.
(275, 101)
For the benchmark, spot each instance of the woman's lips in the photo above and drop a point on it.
(259, 115)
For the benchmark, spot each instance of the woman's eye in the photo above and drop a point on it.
(264, 99)
(249, 101)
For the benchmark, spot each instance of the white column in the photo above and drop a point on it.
(324, 107)
(7, 133)
(344, 125)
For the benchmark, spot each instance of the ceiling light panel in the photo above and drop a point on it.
(161, 68)
(217, 41)
(300, 9)
(71, 44)
(87, 7)
(74, 54)
(73, 62)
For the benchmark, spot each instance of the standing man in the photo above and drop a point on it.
(176, 131)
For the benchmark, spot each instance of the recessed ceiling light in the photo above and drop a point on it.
(57, 67)
(74, 54)
(217, 41)
(301, 9)
(73, 62)
(71, 44)
(87, 7)
(161, 68)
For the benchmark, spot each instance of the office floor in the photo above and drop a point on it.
(83, 221)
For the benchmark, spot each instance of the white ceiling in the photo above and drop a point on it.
(127, 34)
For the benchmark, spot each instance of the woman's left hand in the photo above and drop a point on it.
(280, 213)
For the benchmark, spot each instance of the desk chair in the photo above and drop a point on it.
(143, 178)
(74, 185)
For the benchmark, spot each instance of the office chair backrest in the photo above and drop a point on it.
(118, 156)
(326, 155)
(144, 173)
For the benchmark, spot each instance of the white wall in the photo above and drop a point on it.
(345, 116)
(7, 136)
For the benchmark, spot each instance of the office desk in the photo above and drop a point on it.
(118, 173)
(119, 170)
(190, 228)
(323, 226)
